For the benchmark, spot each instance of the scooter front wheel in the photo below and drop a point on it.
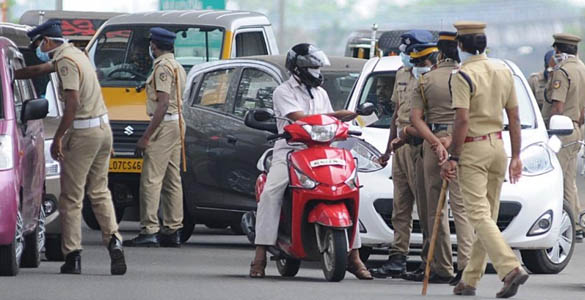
(334, 256)
(288, 267)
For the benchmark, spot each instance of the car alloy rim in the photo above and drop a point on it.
(560, 251)
(42, 229)
(19, 239)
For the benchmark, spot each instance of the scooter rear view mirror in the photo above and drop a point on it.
(366, 109)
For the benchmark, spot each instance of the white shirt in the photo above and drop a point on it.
(290, 97)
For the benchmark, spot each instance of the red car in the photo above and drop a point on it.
(22, 166)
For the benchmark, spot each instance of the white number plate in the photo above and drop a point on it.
(327, 162)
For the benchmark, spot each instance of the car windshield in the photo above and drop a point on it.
(378, 91)
(525, 108)
(338, 86)
(121, 57)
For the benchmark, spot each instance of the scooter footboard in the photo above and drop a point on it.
(331, 215)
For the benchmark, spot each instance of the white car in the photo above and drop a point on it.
(532, 216)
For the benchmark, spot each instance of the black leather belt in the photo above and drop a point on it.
(415, 140)
(438, 127)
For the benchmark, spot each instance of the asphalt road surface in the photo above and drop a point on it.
(214, 265)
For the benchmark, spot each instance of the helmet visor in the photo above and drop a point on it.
(314, 59)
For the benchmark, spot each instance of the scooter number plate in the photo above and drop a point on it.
(327, 162)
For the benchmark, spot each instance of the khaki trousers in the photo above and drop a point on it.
(270, 204)
(443, 257)
(84, 172)
(568, 159)
(160, 181)
(406, 161)
(481, 173)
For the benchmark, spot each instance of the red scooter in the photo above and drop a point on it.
(319, 213)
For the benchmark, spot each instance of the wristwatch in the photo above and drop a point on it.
(453, 158)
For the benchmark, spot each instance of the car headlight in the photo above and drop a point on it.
(6, 159)
(305, 181)
(321, 133)
(367, 156)
(352, 181)
(536, 160)
(52, 167)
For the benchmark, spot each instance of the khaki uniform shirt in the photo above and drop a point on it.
(436, 102)
(76, 73)
(402, 94)
(567, 85)
(163, 79)
(492, 90)
(537, 83)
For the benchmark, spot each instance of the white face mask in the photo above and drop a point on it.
(463, 55)
(418, 71)
(559, 58)
(405, 60)
(315, 72)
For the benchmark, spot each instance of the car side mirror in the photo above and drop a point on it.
(262, 119)
(34, 109)
(366, 109)
(560, 125)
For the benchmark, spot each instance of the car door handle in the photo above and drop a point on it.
(231, 139)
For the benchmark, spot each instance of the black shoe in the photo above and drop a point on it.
(420, 276)
(72, 263)
(143, 240)
(118, 263)
(579, 235)
(416, 274)
(172, 240)
(394, 267)
(456, 279)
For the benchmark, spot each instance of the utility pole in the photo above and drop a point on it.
(4, 10)
(58, 4)
(281, 29)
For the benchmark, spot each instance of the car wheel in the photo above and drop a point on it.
(188, 226)
(53, 248)
(34, 243)
(365, 253)
(288, 267)
(89, 216)
(555, 259)
(10, 254)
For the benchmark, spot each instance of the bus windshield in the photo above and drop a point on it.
(121, 57)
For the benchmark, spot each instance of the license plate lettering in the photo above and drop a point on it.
(125, 165)
(327, 162)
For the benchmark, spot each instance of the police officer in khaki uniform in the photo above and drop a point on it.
(160, 180)
(82, 144)
(480, 91)
(566, 96)
(432, 102)
(539, 80)
(406, 162)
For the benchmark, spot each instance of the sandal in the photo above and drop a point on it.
(257, 269)
(359, 271)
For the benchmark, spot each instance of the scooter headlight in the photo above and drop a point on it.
(6, 159)
(305, 181)
(321, 133)
(536, 160)
(352, 181)
(52, 167)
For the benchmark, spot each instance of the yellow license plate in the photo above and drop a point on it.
(125, 165)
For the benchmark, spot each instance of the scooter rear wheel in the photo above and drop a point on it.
(288, 267)
(334, 258)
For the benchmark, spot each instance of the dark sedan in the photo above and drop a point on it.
(221, 151)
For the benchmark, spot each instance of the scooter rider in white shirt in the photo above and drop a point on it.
(296, 98)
